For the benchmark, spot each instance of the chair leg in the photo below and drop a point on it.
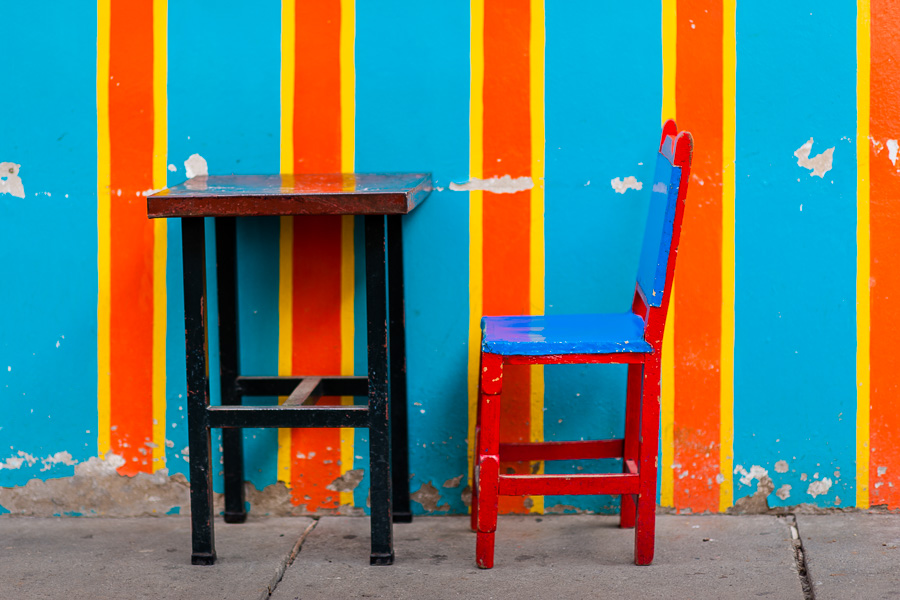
(475, 456)
(488, 458)
(645, 528)
(632, 437)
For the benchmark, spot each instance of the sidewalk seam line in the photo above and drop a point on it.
(800, 562)
(288, 561)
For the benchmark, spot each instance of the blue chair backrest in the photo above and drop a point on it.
(660, 221)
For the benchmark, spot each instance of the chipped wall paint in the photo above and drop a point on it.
(630, 183)
(11, 183)
(791, 258)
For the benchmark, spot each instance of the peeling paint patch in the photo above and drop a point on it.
(623, 185)
(453, 482)
(660, 187)
(755, 472)
(781, 466)
(429, 496)
(347, 482)
(892, 151)
(758, 503)
(63, 458)
(881, 471)
(819, 164)
(497, 185)
(819, 488)
(10, 182)
(195, 166)
(784, 492)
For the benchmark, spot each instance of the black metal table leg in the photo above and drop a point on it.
(399, 418)
(194, 261)
(379, 392)
(229, 366)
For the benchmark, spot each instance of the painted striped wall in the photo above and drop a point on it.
(780, 360)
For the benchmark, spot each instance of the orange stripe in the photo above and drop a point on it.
(885, 244)
(131, 234)
(315, 453)
(698, 302)
(507, 217)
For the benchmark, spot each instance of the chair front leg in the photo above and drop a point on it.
(475, 455)
(488, 458)
(632, 437)
(645, 529)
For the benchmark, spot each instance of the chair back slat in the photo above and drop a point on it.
(657, 244)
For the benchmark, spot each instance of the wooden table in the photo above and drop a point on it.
(382, 198)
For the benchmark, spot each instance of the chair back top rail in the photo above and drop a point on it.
(664, 219)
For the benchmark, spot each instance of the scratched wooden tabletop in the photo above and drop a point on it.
(306, 194)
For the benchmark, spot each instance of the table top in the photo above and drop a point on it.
(313, 194)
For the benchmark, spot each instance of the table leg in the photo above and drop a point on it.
(232, 439)
(379, 392)
(399, 419)
(195, 313)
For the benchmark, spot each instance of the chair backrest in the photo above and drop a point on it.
(670, 182)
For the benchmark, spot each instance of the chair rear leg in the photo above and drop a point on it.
(475, 455)
(488, 458)
(632, 437)
(645, 528)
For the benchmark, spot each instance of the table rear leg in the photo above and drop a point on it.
(229, 366)
(195, 312)
(379, 392)
(399, 419)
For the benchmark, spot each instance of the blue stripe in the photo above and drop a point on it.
(425, 128)
(224, 104)
(603, 98)
(795, 250)
(48, 240)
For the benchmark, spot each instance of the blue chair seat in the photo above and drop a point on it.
(542, 335)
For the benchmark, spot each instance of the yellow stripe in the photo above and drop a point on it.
(476, 138)
(667, 399)
(669, 37)
(103, 228)
(286, 238)
(348, 85)
(160, 142)
(667, 407)
(347, 331)
(348, 150)
(536, 254)
(863, 249)
(288, 48)
(726, 360)
(285, 334)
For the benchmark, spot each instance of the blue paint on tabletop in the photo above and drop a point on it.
(564, 334)
(175, 510)
(236, 132)
(425, 129)
(598, 128)
(3, 510)
(48, 240)
(795, 336)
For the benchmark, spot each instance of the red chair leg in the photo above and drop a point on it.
(488, 459)
(475, 457)
(632, 437)
(645, 528)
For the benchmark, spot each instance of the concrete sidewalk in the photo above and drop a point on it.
(558, 557)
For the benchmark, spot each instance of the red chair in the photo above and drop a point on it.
(633, 337)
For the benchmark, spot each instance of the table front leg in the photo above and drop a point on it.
(229, 366)
(195, 339)
(379, 392)
(399, 410)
